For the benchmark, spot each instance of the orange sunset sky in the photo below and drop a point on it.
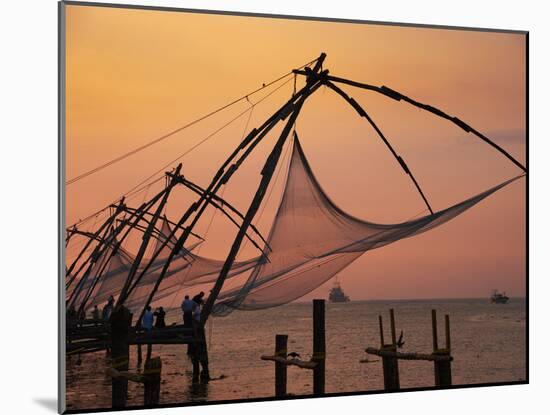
(134, 75)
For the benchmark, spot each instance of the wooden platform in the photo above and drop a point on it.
(94, 335)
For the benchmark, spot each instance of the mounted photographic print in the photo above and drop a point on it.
(261, 207)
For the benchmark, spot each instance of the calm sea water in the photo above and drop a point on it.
(488, 345)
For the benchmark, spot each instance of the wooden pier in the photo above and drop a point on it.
(117, 335)
(317, 362)
(441, 358)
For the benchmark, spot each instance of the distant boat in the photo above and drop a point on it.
(336, 294)
(499, 298)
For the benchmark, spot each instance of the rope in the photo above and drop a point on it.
(175, 131)
(262, 209)
(182, 283)
(143, 183)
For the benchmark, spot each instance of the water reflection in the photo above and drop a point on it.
(196, 392)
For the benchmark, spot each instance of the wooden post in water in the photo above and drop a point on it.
(390, 364)
(280, 368)
(434, 330)
(442, 368)
(319, 347)
(203, 355)
(121, 320)
(381, 327)
(151, 382)
(392, 327)
(200, 354)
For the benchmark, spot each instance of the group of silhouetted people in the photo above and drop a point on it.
(73, 315)
(157, 317)
(191, 309)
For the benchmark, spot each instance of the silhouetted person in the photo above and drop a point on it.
(108, 309)
(196, 313)
(147, 320)
(199, 298)
(187, 309)
(160, 314)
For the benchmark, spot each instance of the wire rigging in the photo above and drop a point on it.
(177, 130)
(143, 184)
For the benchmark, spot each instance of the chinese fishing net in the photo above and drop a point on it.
(311, 240)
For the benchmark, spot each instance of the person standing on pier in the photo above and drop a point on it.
(160, 314)
(107, 310)
(199, 299)
(147, 320)
(187, 309)
(196, 313)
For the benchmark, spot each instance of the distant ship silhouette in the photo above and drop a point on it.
(337, 295)
(499, 298)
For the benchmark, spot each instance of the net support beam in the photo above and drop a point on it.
(224, 173)
(399, 159)
(147, 236)
(267, 173)
(388, 92)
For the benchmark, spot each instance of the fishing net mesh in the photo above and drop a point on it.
(310, 241)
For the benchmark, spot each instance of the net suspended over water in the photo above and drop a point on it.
(310, 241)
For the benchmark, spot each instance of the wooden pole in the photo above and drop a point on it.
(221, 177)
(398, 158)
(203, 355)
(390, 365)
(105, 225)
(442, 368)
(267, 174)
(280, 369)
(457, 121)
(121, 320)
(151, 382)
(434, 330)
(319, 347)
(392, 323)
(390, 368)
(145, 243)
(139, 355)
(200, 354)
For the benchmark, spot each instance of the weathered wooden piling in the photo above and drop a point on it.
(151, 381)
(200, 354)
(121, 320)
(316, 363)
(319, 347)
(434, 330)
(390, 365)
(442, 368)
(390, 356)
(280, 368)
